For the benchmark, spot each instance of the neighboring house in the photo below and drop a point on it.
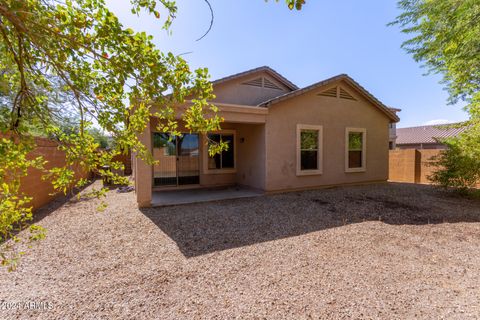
(425, 137)
(393, 131)
(281, 138)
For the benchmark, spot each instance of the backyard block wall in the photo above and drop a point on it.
(167, 164)
(411, 165)
(33, 185)
(126, 159)
(425, 161)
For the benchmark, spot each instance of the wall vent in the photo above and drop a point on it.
(262, 83)
(345, 95)
(255, 82)
(332, 92)
(268, 84)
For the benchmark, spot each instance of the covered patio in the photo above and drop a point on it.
(185, 173)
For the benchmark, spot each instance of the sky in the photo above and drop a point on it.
(324, 39)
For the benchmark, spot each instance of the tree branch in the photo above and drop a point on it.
(211, 21)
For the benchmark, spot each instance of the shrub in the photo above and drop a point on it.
(459, 165)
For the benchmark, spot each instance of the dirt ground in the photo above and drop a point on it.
(387, 251)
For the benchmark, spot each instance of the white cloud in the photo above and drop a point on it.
(436, 121)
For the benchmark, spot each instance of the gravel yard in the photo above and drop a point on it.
(390, 251)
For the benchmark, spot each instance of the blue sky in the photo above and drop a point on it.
(326, 38)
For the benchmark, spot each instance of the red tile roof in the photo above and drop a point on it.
(426, 134)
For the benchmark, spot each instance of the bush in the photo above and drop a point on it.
(15, 212)
(459, 165)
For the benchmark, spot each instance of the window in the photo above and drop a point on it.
(309, 149)
(166, 142)
(225, 159)
(355, 153)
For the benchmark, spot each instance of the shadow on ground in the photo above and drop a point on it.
(205, 228)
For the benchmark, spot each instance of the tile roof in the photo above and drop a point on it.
(426, 134)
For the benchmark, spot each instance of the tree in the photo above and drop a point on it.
(101, 138)
(460, 163)
(69, 66)
(297, 4)
(446, 39)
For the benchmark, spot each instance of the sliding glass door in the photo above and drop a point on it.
(165, 153)
(177, 159)
(188, 168)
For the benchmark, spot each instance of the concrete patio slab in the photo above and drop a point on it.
(179, 197)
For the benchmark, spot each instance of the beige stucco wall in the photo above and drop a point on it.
(251, 155)
(334, 115)
(143, 173)
(235, 92)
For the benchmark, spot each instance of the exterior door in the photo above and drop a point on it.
(178, 159)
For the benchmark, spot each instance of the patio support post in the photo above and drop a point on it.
(144, 176)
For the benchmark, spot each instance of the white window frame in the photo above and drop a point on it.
(206, 170)
(299, 170)
(363, 168)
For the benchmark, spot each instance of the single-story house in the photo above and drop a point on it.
(280, 137)
(425, 137)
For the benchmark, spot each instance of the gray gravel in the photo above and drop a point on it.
(389, 251)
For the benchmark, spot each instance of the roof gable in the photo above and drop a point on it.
(263, 82)
(338, 92)
(277, 76)
(251, 88)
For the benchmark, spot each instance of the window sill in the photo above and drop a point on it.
(353, 170)
(309, 172)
